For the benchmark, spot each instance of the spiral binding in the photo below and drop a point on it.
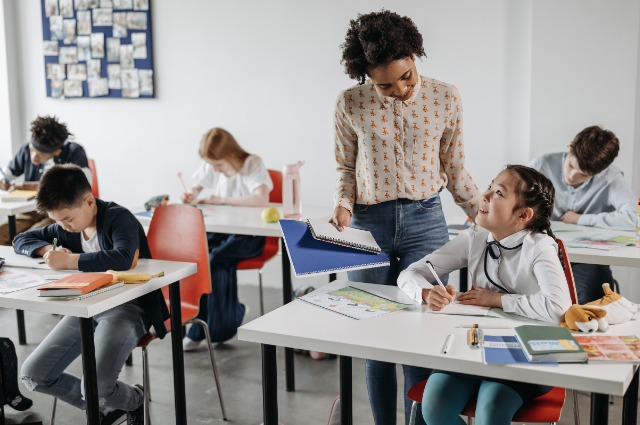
(342, 241)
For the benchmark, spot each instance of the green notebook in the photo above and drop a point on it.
(549, 344)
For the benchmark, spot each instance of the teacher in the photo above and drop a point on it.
(398, 143)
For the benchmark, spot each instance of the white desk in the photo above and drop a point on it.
(28, 299)
(415, 338)
(248, 221)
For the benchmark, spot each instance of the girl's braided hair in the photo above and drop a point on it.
(535, 191)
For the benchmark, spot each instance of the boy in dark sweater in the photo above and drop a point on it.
(94, 236)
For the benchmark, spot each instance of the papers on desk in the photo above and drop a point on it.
(559, 226)
(462, 309)
(602, 242)
(15, 280)
(23, 261)
(610, 348)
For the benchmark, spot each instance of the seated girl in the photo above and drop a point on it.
(236, 178)
(513, 259)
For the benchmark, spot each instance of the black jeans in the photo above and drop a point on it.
(589, 279)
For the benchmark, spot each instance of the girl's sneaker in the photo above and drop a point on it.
(190, 345)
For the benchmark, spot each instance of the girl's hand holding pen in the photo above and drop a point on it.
(438, 297)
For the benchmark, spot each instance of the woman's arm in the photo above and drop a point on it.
(260, 198)
(189, 197)
(346, 152)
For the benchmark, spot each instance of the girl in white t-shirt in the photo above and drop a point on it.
(234, 177)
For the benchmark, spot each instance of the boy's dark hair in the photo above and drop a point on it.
(48, 133)
(63, 186)
(535, 191)
(377, 39)
(595, 149)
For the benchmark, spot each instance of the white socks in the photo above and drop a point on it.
(189, 345)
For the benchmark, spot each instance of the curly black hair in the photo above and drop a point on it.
(47, 131)
(377, 39)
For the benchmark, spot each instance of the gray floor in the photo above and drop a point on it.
(240, 369)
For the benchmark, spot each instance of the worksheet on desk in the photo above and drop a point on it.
(25, 262)
(462, 309)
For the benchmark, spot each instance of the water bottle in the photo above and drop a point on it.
(292, 206)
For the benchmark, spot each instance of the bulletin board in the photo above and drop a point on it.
(98, 48)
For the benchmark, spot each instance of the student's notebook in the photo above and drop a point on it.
(505, 350)
(549, 344)
(310, 256)
(354, 238)
(106, 288)
(19, 196)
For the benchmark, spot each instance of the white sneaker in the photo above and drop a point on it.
(189, 345)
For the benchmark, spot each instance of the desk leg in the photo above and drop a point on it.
(89, 369)
(269, 385)
(178, 355)
(630, 402)
(464, 279)
(599, 409)
(22, 334)
(346, 394)
(1, 398)
(287, 294)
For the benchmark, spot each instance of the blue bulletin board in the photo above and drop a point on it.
(98, 48)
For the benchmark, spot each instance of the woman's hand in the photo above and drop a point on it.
(482, 297)
(438, 298)
(341, 218)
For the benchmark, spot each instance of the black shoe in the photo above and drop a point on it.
(136, 417)
(115, 417)
(9, 365)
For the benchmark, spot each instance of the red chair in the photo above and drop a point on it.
(177, 233)
(94, 178)
(544, 409)
(272, 245)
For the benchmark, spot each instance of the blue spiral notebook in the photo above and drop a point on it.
(310, 256)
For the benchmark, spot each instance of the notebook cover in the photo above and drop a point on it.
(310, 256)
(20, 195)
(328, 233)
(540, 340)
(85, 282)
(505, 350)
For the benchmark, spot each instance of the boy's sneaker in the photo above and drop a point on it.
(136, 417)
(114, 417)
(189, 345)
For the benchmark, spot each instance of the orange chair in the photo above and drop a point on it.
(94, 178)
(177, 233)
(544, 409)
(271, 246)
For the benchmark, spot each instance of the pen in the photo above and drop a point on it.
(5, 176)
(447, 344)
(183, 185)
(55, 243)
(435, 275)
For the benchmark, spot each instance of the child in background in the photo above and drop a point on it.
(512, 256)
(590, 191)
(236, 178)
(94, 236)
(49, 145)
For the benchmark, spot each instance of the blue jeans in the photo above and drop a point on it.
(221, 309)
(589, 279)
(116, 333)
(446, 395)
(406, 231)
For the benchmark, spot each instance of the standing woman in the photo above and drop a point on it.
(398, 143)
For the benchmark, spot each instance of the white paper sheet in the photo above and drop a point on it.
(26, 262)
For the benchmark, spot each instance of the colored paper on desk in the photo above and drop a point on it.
(310, 256)
(354, 303)
(610, 348)
(601, 241)
(506, 350)
(15, 280)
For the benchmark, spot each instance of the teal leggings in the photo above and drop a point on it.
(446, 395)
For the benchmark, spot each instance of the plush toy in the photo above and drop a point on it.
(598, 315)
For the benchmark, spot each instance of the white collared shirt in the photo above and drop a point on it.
(532, 273)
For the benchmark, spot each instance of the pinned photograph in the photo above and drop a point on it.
(50, 48)
(57, 89)
(77, 72)
(123, 4)
(113, 49)
(94, 69)
(68, 55)
(97, 45)
(102, 17)
(69, 31)
(72, 88)
(130, 83)
(84, 22)
(126, 56)
(55, 71)
(98, 87)
(140, 4)
(66, 8)
(84, 48)
(146, 81)
(81, 4)
(113, 72)
(106, 3)
(94, 4)
(119, 24)
(139, 41)
(51, 8)
(55, 26)
(136, 20)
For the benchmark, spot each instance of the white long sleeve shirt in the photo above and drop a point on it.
(532, 273)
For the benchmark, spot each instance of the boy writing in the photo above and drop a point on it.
(94, 236)
(590, 191)
(49, 145)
